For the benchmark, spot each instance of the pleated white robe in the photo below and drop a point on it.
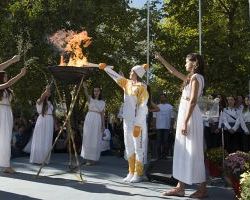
(188, 161)
(6, 126)
(42, 135)
(92, 134)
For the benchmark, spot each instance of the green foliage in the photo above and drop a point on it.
(215, 155)
(119, 39)
(244, 186)
(225, 41)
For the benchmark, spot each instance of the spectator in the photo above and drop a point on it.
(163, 126)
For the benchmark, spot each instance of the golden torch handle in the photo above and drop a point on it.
(97, 65)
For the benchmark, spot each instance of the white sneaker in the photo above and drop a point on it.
(128, 177)
(136, 179)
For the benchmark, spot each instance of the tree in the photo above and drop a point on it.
(226, 51)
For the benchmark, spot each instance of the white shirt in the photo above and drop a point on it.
(242, 120)
(163, 117)
(229, 115)
(246, 116)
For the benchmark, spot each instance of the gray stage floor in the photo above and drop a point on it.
(102, 182)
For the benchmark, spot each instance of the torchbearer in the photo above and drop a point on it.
(134, 114)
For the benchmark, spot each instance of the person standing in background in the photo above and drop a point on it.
(93, 127)
(163, 123)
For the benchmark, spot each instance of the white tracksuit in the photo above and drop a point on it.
(134, 114)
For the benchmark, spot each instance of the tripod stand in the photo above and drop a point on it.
(76, 76)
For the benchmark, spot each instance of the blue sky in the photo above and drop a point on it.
(138, 3)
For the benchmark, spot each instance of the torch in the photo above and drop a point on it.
(97, 65)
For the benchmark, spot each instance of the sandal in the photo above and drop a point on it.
(174, 192)
(90, 163)
(199, 194)
(9, 170)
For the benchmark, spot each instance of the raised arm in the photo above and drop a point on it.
(153, 107)
(85, 89)
(44, 95)
(169, 67)
(13, 80)
(119, 79)
(7, 63)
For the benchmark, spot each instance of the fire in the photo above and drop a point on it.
(72, 45)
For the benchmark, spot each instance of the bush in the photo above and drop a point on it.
(245, 186)
(215, 155)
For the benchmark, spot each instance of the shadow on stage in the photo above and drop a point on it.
(88, 186)
(9, 195)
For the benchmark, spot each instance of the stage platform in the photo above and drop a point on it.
(103, 181)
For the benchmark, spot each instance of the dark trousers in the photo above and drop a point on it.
(232, 141)
(162, 143)
(216, 138)
(208, 137)
(245, 142)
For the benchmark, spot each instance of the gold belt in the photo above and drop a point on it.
(94, 111)
(186, 98)
(45, 114)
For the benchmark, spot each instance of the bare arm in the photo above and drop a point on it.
(7, 63)
(170, 68)
(85, 89)
(14, 79)
(43, 96)
(193, 99)
(154, 107)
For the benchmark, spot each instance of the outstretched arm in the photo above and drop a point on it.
(170, 68)
(85, 89)
(153, 107)
(7, 63)
(119, 79)
(44, 95)
(14, 79)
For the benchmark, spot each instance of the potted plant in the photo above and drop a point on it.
(214, 160)
(245, 186)
(236, 164)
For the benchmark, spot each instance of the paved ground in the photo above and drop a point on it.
(102, 182)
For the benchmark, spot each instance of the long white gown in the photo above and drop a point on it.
(188, 162)
(92, 134)
(6, 126)
(42, 135)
